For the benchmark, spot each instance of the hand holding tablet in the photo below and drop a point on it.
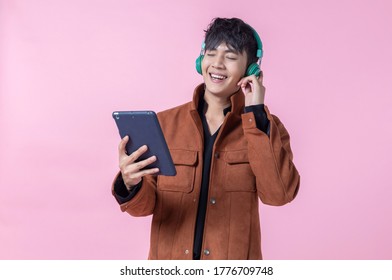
(144, 151)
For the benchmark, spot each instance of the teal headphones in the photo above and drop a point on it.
(253, 68)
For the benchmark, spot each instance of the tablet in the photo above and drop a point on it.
(143, 128)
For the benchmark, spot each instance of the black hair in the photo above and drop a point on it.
(235, 33)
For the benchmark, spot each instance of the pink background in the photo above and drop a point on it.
(66, 65)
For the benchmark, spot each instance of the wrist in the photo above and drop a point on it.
(130, 188)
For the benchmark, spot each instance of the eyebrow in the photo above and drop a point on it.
(229, 50)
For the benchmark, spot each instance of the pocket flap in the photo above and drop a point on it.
(234, 157)
(185, 162)
(184, 157)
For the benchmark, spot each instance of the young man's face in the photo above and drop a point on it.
(222, 69)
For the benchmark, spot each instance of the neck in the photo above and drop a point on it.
(214, 111)
(215, 104)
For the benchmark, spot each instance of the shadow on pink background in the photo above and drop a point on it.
(66, 65)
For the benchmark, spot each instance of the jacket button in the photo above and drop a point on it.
(212, 200)
(206, 252)
(216, 155)
(186, 252)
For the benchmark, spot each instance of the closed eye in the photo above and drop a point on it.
(210, 53)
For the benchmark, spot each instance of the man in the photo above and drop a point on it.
(228, 150)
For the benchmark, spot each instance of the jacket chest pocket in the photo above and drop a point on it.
(239, 176)
(185, 162)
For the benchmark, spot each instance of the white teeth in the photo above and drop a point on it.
(219, 77)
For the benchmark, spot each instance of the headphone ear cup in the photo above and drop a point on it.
(198, 64)
(253, 69)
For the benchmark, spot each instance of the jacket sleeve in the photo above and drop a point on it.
(121, 192)
(262, 122)
(143, 202)
(271, 160)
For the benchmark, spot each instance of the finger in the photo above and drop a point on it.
(121, 147)
(145, 172)
(136, 154)
(254, 82)
(248, 84)
(253, 79)
(260, 79)
(127, 161)
(248, 80)
(129, 168)
(143, 163)
(133, 179)
(244, 83)
(240, 81)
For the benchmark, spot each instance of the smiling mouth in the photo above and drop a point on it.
(216, 77)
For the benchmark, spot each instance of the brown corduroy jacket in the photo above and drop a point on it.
(246, 165)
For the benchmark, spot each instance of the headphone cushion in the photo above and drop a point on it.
(253, 69)
(198, 64)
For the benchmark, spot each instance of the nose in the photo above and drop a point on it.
(218, 62)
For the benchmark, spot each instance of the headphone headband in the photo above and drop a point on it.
(259, 52)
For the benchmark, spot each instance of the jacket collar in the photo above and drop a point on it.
(237, 100)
